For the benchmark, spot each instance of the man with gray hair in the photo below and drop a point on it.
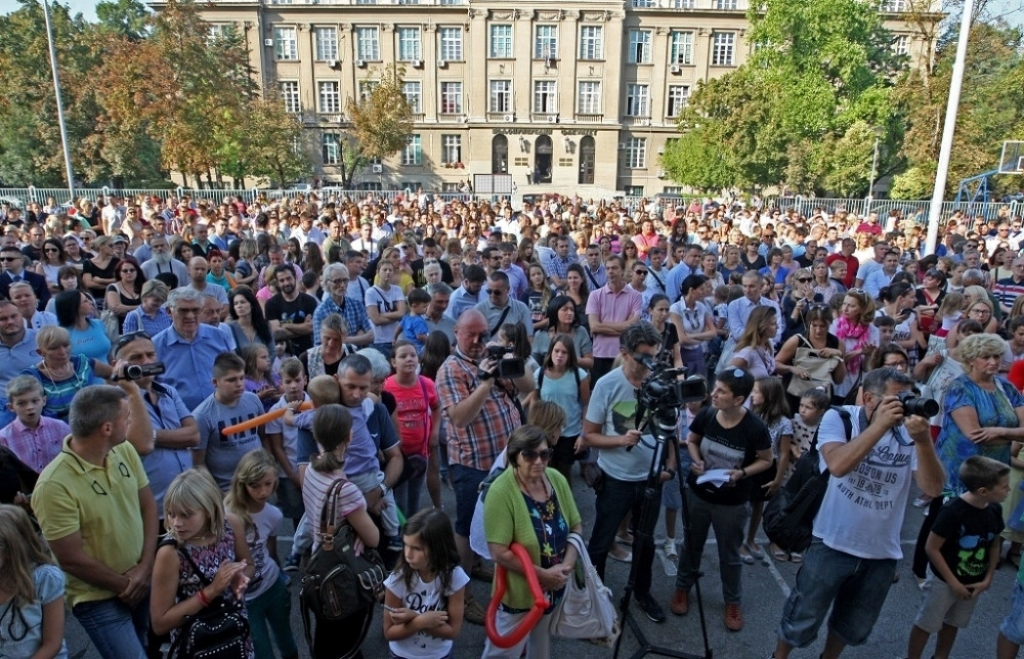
(188, 347)
(436, 317)
(96, 510)
(335, 281)
(610, 428)
(163, 261)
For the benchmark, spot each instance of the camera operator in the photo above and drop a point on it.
(482, 411)
(852, 559)
(624, 457)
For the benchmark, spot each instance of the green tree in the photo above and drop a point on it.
(381, 123)
(124, 18)
(276, 144)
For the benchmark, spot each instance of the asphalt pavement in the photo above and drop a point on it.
(765, 588)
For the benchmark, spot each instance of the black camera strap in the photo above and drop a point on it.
(501, 319)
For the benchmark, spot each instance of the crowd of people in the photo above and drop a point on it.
(492, 349)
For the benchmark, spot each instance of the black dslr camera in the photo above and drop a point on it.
(507, 368)
(917, 406)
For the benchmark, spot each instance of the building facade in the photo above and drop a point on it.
(576, 95)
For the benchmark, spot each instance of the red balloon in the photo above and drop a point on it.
(540, 602)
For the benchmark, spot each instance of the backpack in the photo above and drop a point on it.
(338, 583)
(219, 631)
(789, 515)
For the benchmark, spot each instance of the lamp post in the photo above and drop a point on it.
(874, 168)
(60, 104)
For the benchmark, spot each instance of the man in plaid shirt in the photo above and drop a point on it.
(481, 411)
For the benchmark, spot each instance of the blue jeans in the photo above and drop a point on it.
(615, 500)
(117, 631)
(466, 482)
(273, 607)
(854, 587)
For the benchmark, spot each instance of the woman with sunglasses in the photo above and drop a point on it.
(125, 295)
(816, 319)
(797, 300)
(53, 259)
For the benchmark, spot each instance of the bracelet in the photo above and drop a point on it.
(202, 598)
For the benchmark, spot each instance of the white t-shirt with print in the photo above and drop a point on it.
(862, 512)
(423, 597)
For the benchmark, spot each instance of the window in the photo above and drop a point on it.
(500, 97)
(285, 45)
(331, 147)
(894, 6)
(636, 153)
(409, 49)
(413, 92)
(408, 2)
(366, 88)
(681, 48)
(290, 95)
(501, 41)
(544, 97)
(901, 45)
(722, 48)
(644, 4)
(727, 4)
(678, 98)
(367, 44)
(366, 2)
(452, 2)
(638, 101)
(589, 101)
(639, 46)
(451, 98)
(634, 191)
(326, 43)
(545, 43)
(451, 44)
(683, 4)
(330, 97)
(412, 154)
(220, 31)
(451, 148)
(592, 42)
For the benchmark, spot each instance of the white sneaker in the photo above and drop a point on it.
(671, 551)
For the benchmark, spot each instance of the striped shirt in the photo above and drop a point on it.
(315, 485)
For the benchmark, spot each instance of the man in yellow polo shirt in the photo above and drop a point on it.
(96, 510)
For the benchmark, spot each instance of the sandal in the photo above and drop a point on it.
(745, 555)
(754, 550)
(624, 557)
(796, 557)
(780, 554)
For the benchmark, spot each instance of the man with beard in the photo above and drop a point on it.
(164, 262)
(290, 313)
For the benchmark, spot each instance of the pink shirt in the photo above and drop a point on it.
(415, 422)
(611, 307)
(36, 447)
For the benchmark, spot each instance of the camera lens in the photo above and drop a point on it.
(133, 372)
(913, 405)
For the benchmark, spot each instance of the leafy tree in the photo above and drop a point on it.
(275, 143)
(124, 18)
(381, 123)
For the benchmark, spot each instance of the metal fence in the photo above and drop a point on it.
(803, 205)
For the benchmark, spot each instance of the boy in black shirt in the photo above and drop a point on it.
(963, 550)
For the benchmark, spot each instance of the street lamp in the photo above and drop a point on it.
(60, 104)
(878, 131)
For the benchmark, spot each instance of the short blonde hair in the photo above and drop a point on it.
(52, 336)
(195, 491)
(980, 345)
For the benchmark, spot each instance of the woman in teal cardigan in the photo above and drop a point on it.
(532, 505)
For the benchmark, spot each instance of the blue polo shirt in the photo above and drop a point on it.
(16, 359)
(190, 363)
(164, 464)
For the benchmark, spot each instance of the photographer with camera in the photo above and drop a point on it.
(852, 559)
(624, 456)
(174, 428)
(482, 410)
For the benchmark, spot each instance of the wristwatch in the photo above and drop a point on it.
(384, 489)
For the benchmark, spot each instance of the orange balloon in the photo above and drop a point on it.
(262, 419)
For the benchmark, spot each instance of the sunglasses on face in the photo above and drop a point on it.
(531, 455)
(804, 280)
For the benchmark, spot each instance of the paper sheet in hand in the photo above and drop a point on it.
(716, 477)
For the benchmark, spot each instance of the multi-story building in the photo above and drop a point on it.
(581, 95)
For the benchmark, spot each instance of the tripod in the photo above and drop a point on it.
(662, 423)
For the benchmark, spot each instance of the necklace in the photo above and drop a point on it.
(526, 488)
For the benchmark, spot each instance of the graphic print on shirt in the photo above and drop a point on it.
(876, 480)
(973, 558)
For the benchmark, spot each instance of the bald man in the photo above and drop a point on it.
(482, 411)
(198, 268)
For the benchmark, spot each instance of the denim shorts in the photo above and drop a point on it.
(670, 495)
(940, 605)
(1013, 625)
(854, 587)
(466, 482)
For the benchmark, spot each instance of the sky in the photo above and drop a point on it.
(1011, 10)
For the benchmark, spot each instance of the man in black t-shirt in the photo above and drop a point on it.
(290, 313)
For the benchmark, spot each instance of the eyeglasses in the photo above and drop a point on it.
(131, 336)
(640, 272)
(339, 281)
(123, 270)
(52, 250)
(10, 258)
(494, 291)
(895, 364)
(531, 455)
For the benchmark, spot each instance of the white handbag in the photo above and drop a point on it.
(586, 610)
